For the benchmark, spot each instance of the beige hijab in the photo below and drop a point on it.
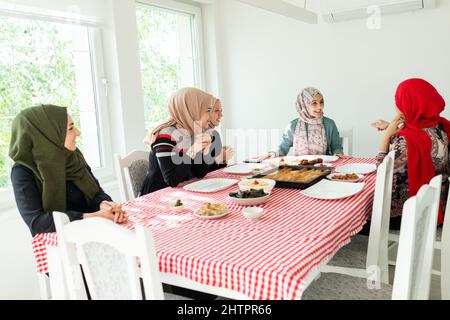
(186, 107)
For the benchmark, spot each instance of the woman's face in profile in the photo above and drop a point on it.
(71, 135)
(216, 114)
(315, 109)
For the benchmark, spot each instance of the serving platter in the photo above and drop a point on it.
(279, 183)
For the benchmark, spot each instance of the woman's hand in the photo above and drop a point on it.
(109, 210)
(394, 127)
(201, 143)
(343, 156)
(269, 155)
(226, 154)
(115, 214)
(380, 125)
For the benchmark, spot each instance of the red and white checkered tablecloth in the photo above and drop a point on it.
(270, 258)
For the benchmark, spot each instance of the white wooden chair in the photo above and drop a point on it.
(393, 245)
(416, 246)
(108, 255)
(445, 253)
(131, 171)
(376, 261)
(413, 272)
(347, 141)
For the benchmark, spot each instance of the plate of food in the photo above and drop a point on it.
(333, 190)
(324, 165)
(211, 211)
(317, 158)
(176, 205)
(249, 197)
(345, 177)
(261, 167)
(265, 184)
(358, 168)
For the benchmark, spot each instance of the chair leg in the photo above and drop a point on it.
(57, 281)
(44, 286)
(392, 253)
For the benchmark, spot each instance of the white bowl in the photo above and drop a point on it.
(249, 201)
(266, 184)
(253, 213)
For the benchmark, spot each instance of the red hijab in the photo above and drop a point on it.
(422, 105)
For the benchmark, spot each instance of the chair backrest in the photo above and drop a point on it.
(132, 170)
(346, 137)
(445, 253)
(109, 256)
(377, 250)
(416, 244)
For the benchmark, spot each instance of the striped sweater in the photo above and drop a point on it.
(169, 165)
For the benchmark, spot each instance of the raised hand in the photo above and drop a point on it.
(380, 125)
(266, 156)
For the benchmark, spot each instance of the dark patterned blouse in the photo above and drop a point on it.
(440, 155)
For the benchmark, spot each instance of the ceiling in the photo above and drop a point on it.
(325, 6)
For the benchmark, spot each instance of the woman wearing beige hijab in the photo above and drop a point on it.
(181, 146)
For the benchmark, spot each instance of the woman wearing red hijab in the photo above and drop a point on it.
(420, 138)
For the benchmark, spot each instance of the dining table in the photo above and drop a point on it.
(274, 257)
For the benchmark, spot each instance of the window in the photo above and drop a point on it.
(169, 53)
(43, 62)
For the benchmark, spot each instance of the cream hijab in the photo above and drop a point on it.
(186, 108)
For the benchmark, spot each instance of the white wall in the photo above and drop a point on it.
(267, 59)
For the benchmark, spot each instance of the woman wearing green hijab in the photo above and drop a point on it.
(50, 173)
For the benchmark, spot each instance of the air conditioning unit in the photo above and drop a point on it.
(337, 11)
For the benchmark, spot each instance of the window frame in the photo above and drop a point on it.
(105, 173)
(196, 12)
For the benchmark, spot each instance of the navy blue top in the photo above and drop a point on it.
(29, 200)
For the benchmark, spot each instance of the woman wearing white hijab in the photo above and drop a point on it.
(312, 133)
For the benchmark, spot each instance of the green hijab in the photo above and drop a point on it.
(37, 142)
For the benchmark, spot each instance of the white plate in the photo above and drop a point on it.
(239, 169)
(331, 190)
(359, 168)
(249, 201)
(261, 167)
(330, 177)
(210, 185)
(211, 217)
